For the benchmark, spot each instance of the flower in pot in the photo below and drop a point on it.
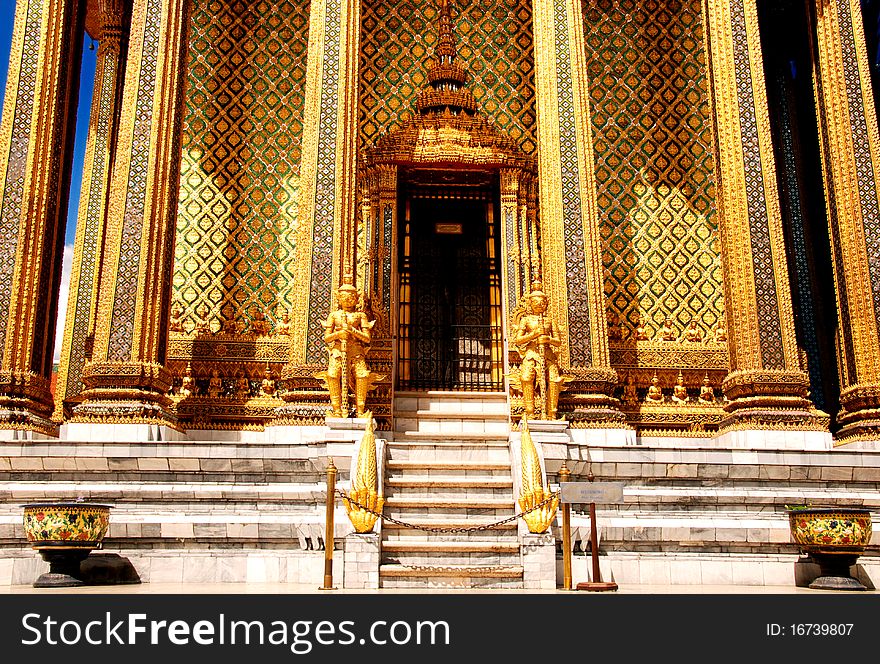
(834, 537)
(65, 533)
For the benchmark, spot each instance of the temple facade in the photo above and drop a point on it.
(649, 230)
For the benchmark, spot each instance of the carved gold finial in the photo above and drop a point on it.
(365, 485)
(532, 491)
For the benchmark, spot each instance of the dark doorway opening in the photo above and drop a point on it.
(449, 331)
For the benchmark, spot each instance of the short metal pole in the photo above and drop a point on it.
(594, 544)
(596, 584)
(564, 476)
(328, 533)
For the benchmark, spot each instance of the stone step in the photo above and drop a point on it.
(441, 416)
(218, 495)
(448, 523)
(458, 438)
(433, 467)
(429, 454)
(406, 502)
(450, 583)
(454, 425)
(452, 402)
(450, 483)
(452, 571)
(450, 558)
(440, 493)
(470, 546)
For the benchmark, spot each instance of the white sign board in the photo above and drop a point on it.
(605, 493)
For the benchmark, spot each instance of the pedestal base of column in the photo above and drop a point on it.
(26, 403)
(538, 561)
(125, 393)
(859, 415)
(306, 398)
(770, 402)
(361, 566)
(588, 402)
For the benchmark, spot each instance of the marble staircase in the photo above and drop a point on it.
(449, 466)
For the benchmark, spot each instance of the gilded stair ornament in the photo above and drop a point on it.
(537, 340)
(365, 485)
(347, 333)
(532, 491)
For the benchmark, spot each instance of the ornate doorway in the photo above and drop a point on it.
(450, 314)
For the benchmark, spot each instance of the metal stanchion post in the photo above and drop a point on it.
(328, 533)
(596, 584)
(564, 476)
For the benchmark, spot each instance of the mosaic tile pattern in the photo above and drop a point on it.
(13, 194)
(122, 321)
(770, 327)
(494, 42)
(325, 192)
(862, 148)
(241, 158)
(652, 136)
(580, 348)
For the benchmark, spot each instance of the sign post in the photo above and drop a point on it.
(587, 492)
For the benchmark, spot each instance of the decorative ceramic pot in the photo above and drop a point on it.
(834, 537)
(65, 534)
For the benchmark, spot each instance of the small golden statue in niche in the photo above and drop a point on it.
(282, 327)
(267, 387)
(668, 331)
(537, 339)
(614, 333)
(259, 324)
(215, 385)
(692, 333)
(655, 394)
(347, 333)
(230, 326)
(242, 386)
(175, 323)
(202, 326)
(679, 391)
(707, 394)
(719, 334)
(629, 390)
(188, 384)
(640, 333)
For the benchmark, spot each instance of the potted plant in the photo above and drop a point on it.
(834, 537)
(65, 533)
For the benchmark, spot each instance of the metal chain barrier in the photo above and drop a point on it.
(472, 529)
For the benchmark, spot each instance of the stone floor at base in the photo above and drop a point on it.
(307, 589)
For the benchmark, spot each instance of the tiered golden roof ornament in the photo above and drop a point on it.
(448, 128)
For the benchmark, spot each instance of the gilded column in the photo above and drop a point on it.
(851, 158)
(325, 242)
(766, 387)
(571, 261)
(387, 185)
(79, 329)
(126, 380)
(36, 149)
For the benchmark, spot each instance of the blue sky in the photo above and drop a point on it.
(7, 15)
